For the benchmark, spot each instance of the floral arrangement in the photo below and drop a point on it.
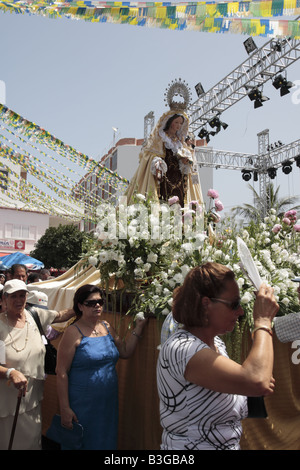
(151, 267)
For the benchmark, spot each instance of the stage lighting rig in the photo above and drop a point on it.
(216, 123)
(287, 167)
(246, 175)
(272, 172)
(199, 89)
(281, 83)
(256, 95)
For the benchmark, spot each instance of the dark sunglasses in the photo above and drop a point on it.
(235, 305)
(93, 303)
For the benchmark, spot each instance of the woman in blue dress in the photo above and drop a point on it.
(87, 382)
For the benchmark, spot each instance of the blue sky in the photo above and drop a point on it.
(78, 80)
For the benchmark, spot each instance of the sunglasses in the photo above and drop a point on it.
(93, 303)
(235, 305)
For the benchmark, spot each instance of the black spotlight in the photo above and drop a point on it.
(272, 173)
(215, 122)
(246, 175)
(278, 82)
(199, 89)
(297, 160)
(250, 45)
(256, 95)
(287, 167)
(255, 176)
(203, 133)
(281, 83)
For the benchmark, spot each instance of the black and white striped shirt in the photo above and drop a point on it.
(193, 417)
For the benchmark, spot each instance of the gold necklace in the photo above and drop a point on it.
(13, 345)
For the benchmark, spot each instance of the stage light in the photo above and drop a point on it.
(297, 160)
(285, 89)
(256, 95)
(203, 133)
(250, 45)
(215, 122)
(199, 89)
(255, 176)
(246, 175)
(278, 82)
(272, 172)
(287, 167)
(281, 83)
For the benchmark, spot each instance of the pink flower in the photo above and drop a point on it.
(173, 200)
(195, 206)
(297, 227)
(291, 213)
(218, 205)
(276, 228)
(213, 193)
(286, 221)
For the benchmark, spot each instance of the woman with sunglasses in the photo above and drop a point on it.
(87, 381)
(202, 392)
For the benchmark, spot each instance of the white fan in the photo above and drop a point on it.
(248, 263)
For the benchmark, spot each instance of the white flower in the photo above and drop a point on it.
(93, 260)
(141, 197)
(152, 257)
(147, 267)
(140, 316)
(138, 261)
(246, 298)
(178, 278)
(165, 311)
(103, 256)
(285, 301)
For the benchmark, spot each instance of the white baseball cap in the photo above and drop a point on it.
(13, 286)
(37, 298)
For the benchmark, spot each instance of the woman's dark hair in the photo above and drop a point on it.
(208, 280)
(170, 120)
(82, 294)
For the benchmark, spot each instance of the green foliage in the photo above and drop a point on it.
(62, 247)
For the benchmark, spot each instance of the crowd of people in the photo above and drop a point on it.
(202, 392)
(87, 356)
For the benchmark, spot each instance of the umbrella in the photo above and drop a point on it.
(20, 258)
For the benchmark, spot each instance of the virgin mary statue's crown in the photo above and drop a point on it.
(178, 95)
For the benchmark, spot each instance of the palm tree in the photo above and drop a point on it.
(253, 213)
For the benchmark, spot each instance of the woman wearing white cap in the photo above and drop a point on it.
(22, 366)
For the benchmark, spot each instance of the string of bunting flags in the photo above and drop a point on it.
(254, 18)
(63, 191)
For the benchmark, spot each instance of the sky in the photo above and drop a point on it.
(79, 80)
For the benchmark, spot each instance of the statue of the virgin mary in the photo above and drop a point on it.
(167, 165)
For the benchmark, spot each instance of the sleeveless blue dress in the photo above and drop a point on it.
(93, 391)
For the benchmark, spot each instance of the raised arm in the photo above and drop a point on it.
(252, 378)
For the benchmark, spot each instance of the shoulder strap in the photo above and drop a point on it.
(35, 316)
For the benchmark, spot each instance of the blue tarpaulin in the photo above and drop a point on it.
(20, 258)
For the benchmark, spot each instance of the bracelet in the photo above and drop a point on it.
(135, 334)
(9, 371)
(266, 328)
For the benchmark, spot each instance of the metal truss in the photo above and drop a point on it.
(209, 157)
(261, 66)
(257, 164)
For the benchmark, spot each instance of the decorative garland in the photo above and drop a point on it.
(66, 188)
(245, 17)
